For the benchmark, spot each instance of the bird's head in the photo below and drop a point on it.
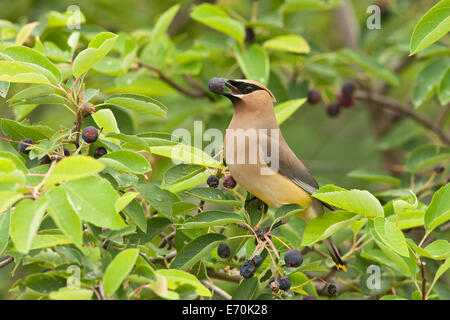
(248, 93)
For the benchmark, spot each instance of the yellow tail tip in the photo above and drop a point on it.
(341, 266)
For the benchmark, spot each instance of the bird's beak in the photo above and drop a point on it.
(218, 85)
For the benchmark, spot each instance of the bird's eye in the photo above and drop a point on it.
(247, 89)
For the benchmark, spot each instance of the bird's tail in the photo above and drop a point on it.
(317, 208)
(334, 253)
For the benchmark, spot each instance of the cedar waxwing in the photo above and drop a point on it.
(259, 158)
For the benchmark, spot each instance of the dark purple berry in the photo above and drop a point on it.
(23, 146)
(285, 283)
(216, 85)
(309, 298)
(229, 182)
(257, 261)
(99, 152)
(314, 97)
(332, 290)
(439, 168)
(45, 159)
(213, 181)
(89, 134)
(333, 109)
(66, 152)
(293, 258)
(348, 89)
(247, 269)
(346, 101)
(46, 270)
(276, 283)
(223, 251)
(249, 35)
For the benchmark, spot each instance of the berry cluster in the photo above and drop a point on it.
(89, 135)
(228, 182)
(345, 99)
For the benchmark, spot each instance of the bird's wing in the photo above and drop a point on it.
(291, 167)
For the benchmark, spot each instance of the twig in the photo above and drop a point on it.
(388, 103)
(221, 293)
(424, 281)
(173, 84)
(7, 261)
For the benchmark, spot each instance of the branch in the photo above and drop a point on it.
(216, 290)
(7, 261)
(173, 84)
(387, 103)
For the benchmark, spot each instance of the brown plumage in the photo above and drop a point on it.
(286, 181)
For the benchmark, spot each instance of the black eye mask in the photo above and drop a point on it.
(244, 87)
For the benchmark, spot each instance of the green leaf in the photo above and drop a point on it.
(431, 27)
(392, 297)
(186, 154)
(99, 47)
(429, 80)
(93, 199)
(64, 19)
(287, 211)
(284, 110)
(25, 223)
(298, 279)
(105, 119)
(134, 142)
(25, 32)
(32, 92)
(34, 59)
(8, 198)
(64, 215)
(437, 250)
(426, 156)
(137, 103)
(118, 269)
(357, 201)
(161, 200)
(124, 200)
(441, 270)
(392, 236)
(214, 196)
(370, 65)
(294, 5)
(177, 278)
(44, 282)
(68, 293)
(16, 72)
(18, 131)
(49, 240)
(196, 250)
(246, 289)
(213, 218)
(254, 63)
(136, 213)
(162, 25)
(71, 168)
(438, 212)
(374, 175)
(216, 18)
(326, 225)
(290, 43)
(5, 229)
(126, 161)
